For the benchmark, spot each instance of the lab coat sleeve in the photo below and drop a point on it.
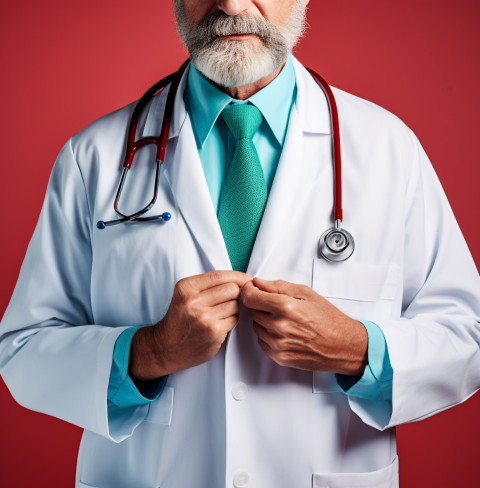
(376, 382)
(122, 391)
(434, 345)
(52, 358)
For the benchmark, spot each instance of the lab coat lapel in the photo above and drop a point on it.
(283, 198)
(187, 181)
(184, 174)
(298, 169)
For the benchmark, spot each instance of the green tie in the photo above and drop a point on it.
(244, 192)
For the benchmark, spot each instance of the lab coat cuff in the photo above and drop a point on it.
(122, 391)
(376, 381)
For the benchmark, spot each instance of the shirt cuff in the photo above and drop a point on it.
(122, 391)
(376, 382)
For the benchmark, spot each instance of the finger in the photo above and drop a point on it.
(264, 335)
(254, 298)
(217, 277)
(227, 309)
(220, 294)
(264, 319)
(283, 288)
(265, 348)
(229, 323)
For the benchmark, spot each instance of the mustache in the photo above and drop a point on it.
(218, 24)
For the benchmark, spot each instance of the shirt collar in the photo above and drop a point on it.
(205, 102)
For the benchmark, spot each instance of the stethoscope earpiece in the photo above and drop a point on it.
(336, 244)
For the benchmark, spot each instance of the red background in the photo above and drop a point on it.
(65, 64)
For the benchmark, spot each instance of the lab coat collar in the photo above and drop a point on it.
(155, 110)
(309, 94)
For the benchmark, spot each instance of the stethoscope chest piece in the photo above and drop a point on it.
(336, 244)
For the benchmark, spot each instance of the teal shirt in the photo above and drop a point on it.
(215, 144)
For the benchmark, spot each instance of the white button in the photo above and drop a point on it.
(239, 391)
(240, 479)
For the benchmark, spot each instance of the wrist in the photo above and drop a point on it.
(356, 349)
(145, 359)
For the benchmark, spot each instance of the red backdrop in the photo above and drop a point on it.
(65, 64)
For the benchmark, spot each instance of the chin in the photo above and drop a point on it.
(232, 63)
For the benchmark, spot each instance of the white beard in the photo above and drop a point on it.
(237, 63)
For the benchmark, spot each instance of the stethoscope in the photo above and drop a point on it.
(335, 244)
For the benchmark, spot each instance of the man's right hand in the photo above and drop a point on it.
(203, 310)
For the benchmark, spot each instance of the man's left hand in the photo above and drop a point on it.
(298, 328)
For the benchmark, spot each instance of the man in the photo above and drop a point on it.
(287, 388)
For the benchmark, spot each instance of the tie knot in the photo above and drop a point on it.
(243, 119)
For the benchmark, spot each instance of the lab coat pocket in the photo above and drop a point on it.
(383, 478)
(362, 291)
(160, 411)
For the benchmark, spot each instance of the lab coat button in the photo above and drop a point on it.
(240, 479)
(239, 391)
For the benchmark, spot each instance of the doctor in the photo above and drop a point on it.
(136, 333)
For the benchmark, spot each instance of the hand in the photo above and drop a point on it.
(298, 328)
(204, 308)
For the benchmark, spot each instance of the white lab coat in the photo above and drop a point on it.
(240, 416)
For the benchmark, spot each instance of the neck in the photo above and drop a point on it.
(246, 91)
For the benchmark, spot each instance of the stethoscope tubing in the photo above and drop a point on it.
(134, 145)
(335, 244)
(337, 159)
